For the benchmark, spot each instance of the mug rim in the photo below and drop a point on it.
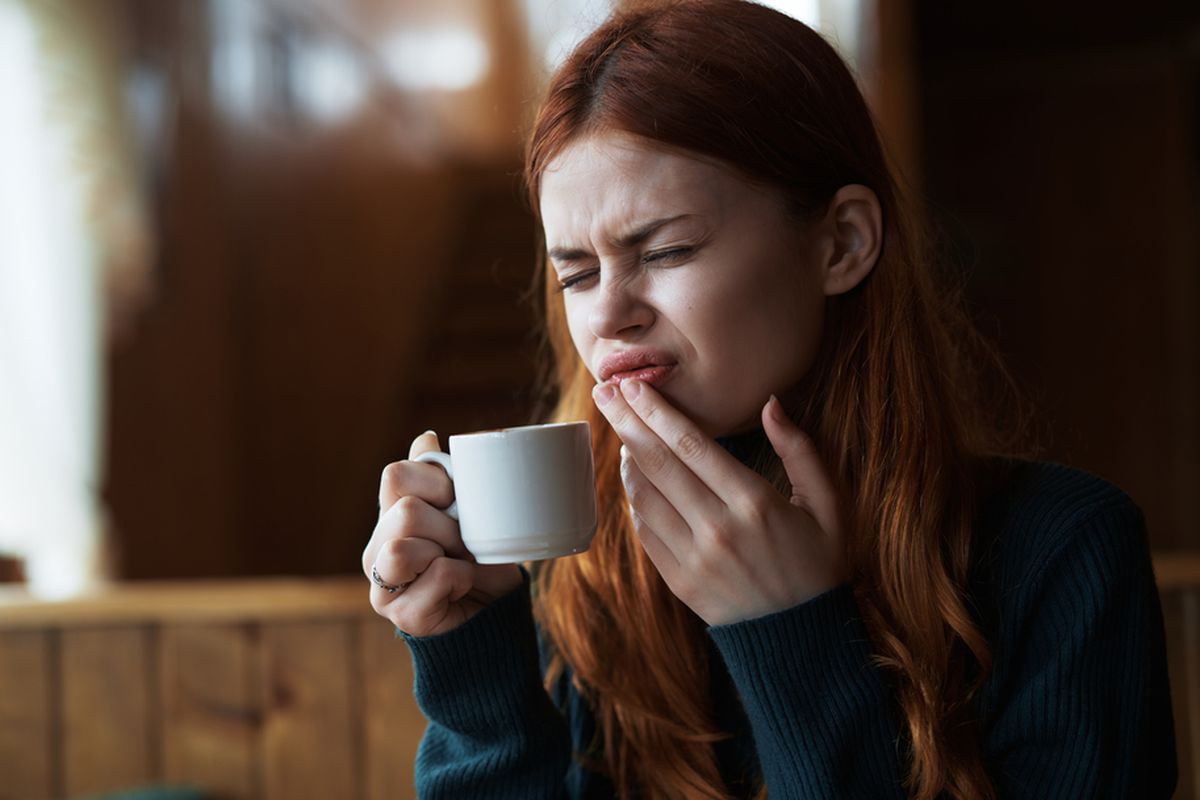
(517, 429)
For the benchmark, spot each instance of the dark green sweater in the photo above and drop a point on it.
(1077, 703)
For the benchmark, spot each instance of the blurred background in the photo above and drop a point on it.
(250, 248)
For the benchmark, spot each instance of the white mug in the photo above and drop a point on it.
(522, 494)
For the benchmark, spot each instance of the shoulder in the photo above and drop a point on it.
(1036, 515)
(1051, 497)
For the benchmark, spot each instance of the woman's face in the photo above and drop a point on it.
(680, 262)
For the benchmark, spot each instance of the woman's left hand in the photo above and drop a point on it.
(725, 541)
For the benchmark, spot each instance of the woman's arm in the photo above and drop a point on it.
(1087, 710)
(1077, 704)
(820, 712)
(493, 731)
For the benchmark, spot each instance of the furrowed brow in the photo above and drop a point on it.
(624, 241)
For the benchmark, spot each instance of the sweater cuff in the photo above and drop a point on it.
(809, 652)
(818, 705)
(483, 672)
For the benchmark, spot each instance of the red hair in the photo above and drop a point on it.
(894, 401)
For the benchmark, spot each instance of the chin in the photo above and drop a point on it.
(715, 429)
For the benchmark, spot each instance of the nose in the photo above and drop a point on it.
(619, 310)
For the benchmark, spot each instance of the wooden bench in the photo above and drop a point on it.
(281, 689)
(249, 689)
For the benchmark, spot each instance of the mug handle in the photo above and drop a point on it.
(443, 461)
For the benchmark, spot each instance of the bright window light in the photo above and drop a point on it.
(556, 26)
(49, 333)
(235, 63)
(837, 20)
(446, 59)
(327, 81)
(561, 45)
(807, 11)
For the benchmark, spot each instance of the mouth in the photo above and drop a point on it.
(653, 374)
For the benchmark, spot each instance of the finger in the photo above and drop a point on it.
(423, 443)
(425, 604)
(668, 448)
(400, 561)
(383, 601)
(656, 549)
(658, 524)
(812, 487)
(427, 481)
(723, 474)
(412, 517)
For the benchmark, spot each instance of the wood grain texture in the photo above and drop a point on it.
(270, 706)
(393, 722)
(311, 736)
(268, 599)
(1188, 693)
(210, 704)
(1177, 570)
(27, 712)
(189, 601)
(1180, 665)
(107, 710)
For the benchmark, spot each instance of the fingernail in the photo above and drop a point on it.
(604, 393)
(631, 388)
(624, 453)
(776, 411)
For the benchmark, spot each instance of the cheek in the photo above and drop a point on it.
(762, 331)
(581, 335)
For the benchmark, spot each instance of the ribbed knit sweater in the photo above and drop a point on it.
(1076, 704)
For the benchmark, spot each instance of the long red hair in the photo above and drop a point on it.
(895, 402)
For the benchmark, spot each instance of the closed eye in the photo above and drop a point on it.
(574, 279)
(671, 255)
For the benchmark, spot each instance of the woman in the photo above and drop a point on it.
(821, 569)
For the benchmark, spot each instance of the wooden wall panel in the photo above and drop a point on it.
(211, 714)
(311, 741)
(393, 723)
(27, 712)
(1181, 614)
(107, 710)
(301, 273)
(1063, 178)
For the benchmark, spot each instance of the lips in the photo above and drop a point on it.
(651, 375)
(645, 363)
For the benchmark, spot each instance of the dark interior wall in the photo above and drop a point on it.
(321, 300)
(1060, 152)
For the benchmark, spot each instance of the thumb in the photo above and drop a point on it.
(425, 442)
(812, 488)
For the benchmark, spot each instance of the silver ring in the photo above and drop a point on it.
(382, 584)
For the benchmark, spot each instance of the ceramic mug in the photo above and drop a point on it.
(522, 494)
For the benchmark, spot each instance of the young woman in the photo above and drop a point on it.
(822, 568)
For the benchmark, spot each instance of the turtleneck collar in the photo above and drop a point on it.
(743, 446)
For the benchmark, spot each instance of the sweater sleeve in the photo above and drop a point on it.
(1087, 712)
(493, 731)
(819, 709)
(1078, 704)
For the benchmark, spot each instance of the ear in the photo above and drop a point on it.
(852, 236)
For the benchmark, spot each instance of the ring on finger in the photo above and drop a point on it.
(387, 587)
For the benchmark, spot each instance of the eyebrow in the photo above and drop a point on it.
(625, 241)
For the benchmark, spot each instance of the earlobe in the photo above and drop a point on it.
(853, 227)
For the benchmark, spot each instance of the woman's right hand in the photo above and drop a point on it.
(417, 545)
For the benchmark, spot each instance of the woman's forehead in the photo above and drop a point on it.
(619, 181)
